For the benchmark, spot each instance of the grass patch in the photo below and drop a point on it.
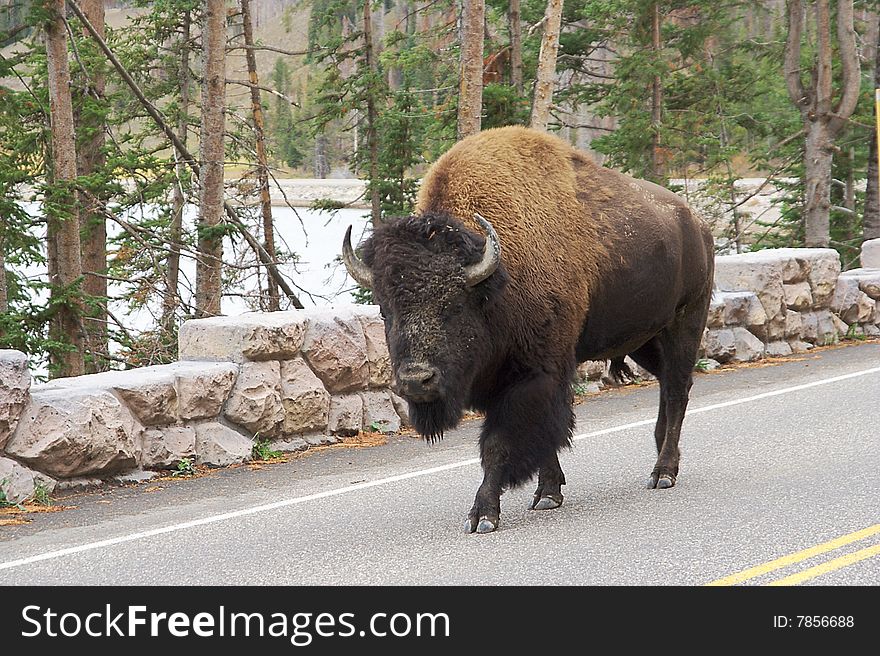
(6, 502)
(381, 427)
(703, 364)
(41, 495)
(185, 467)
(852, 334)
(580, 389)
(262, 450)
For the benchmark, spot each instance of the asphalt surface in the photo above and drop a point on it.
(761, 479)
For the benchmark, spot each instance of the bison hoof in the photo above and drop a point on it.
(546, 503)
(660, 481)
(485, 525)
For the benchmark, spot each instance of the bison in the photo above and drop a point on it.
(522, 259)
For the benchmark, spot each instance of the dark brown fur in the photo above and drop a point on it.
(595, 265)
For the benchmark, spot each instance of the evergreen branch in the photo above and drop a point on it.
(251, 85)
(291, 53)
(185, 154)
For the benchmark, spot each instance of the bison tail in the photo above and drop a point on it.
(620, 372)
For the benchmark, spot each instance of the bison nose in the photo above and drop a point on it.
(418, 381)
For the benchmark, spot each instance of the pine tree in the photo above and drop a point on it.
(62, 202)
(470, 94)
(545, 79)
(211, 160)
(823, 119)
(274, 303)
(89, 116)
(871, 217)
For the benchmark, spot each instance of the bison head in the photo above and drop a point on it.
(433, 280)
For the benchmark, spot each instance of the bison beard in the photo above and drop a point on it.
(433, 418)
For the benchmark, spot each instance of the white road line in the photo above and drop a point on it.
(727, 404)
(211, 519)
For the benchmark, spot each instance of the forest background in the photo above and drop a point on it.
(138, 138)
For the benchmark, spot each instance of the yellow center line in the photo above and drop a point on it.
(797, 557)
(829, 566)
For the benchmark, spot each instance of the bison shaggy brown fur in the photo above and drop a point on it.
(593, 265)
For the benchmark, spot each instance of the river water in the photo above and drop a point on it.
(316, 239)
(319, 278)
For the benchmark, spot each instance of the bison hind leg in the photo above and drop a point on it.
(620, 371)
(670, 356)
(551, 478)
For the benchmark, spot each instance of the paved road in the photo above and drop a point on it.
(780, 478)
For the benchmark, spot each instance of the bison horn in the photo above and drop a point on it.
(355, 266)
(477, 273)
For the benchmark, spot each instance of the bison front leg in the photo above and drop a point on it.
(524, 429)
(486, 512)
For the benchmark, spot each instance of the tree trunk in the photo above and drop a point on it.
(372, 136)
(823, 58)
(377, 24)
(62, 216)
(398, 14)
(403, 16)
(817, 185)
(545, 79)
(4, 294)
(871, 218)
(514, 22)
(818, 154)
(211, 157)
(322, 166)
(178, 201)
(470, 94)
(93, 222)
(262, 161)
(849, 199)
(657, 171)
(823, 119)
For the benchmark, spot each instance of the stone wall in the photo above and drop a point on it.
(776, 302)
(296, 379)
(305, 378)
(788, 300)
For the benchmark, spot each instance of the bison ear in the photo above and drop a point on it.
(355, 266)
(477, 273)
